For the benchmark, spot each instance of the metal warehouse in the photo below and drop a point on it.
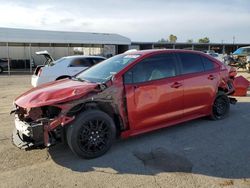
(19, 45)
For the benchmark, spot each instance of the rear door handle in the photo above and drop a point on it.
(176, 85)
(211, 77)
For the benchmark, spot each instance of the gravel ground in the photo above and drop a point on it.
(199, 153)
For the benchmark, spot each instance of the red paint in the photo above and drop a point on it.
(199, 93)
(232, 72)
(241, 85)
(142, 107)
(54, 92)
(62, 120)
(166, 102)
(154, 102)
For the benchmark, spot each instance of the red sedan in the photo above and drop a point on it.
(126, 95)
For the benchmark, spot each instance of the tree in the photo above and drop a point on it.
(190, 41)
(204, 40)
(172, 38)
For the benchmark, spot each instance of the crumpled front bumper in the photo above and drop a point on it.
(38, 134)
(26, 136)
(18, 141)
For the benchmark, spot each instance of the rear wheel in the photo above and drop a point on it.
(92, 134)
(221, 106)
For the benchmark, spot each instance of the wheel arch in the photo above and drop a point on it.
(105, 107)
(221, 89)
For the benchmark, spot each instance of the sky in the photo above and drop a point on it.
(139, 20)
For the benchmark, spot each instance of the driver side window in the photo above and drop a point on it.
(153, 68)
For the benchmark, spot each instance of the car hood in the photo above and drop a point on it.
(54, 92)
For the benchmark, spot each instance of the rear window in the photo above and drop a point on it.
(97, 60)
(61, 60)
(191, 63)
(81, 62)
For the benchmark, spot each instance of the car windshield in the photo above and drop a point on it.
(106, 69)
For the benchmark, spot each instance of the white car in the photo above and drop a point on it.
(214, 54)
(64, 67)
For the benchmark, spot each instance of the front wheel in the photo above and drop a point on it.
(221, 106)
(92, 134)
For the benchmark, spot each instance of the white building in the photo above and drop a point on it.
(21, 44)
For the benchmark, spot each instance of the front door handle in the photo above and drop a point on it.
(176, 85)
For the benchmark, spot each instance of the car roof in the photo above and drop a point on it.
(154, 51)
(84, 56)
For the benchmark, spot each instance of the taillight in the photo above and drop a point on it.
(39, 72)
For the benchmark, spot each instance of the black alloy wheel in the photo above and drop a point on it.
(92, 134)
(221, 106)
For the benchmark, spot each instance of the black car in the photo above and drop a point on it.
(3, 65)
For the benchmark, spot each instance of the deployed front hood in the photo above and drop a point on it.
(54, 92)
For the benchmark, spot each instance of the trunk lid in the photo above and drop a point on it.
(47, 56)
(48, 60)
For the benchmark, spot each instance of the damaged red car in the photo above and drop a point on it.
(126, 95)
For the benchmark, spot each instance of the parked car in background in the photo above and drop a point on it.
(3, 65)
(126, 95)
(214, 54)
(64, 67)
(242, 57)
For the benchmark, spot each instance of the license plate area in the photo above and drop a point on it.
(23, 127)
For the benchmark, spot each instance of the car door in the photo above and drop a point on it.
(78, 64)
(200, 78)
(154, 92)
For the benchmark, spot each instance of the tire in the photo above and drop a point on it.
(91, 134)
(1, 69)
(221, 106)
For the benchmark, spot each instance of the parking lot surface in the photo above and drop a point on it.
(198, 153)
